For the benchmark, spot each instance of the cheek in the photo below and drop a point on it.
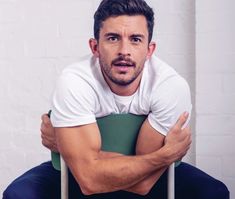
(141, 52)
(107, 54)
(105, 60)
(141, 56)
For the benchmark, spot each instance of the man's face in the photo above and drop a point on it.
(123, 48)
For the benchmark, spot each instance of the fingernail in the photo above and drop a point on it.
(186, 114)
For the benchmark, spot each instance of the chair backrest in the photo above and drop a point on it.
(119, 133)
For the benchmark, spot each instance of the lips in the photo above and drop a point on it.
(123, 64)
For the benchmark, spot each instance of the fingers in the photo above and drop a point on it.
(186, 132)
(179, 138)
(182, 119)
(177, 128)
(47, 133)
(46, 122)
(182, 148)
(45, 119)
(188, 139)
(50, 144)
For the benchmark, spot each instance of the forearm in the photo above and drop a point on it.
(118, 173)
(144, 186)
(108, 154)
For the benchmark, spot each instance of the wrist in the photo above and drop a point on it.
(159, 158)
(166, 155)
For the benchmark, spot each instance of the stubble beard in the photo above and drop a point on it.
(107, 73)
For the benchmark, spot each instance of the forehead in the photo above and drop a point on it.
(136, 24)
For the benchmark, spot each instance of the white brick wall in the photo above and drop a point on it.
(215, 90)
(38, 38)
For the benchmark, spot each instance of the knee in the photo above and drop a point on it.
(19, 189)
(222, 191)
(219, 191)
(10, 193)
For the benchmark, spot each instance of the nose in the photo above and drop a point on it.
(124, 48)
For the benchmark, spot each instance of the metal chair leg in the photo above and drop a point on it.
(171, 182)
(64, 179)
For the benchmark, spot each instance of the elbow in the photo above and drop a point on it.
(87, 189)
(88, 186)
(86, 177)
(143, 191)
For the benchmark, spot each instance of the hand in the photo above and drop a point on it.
(48, 133)
(178, 140)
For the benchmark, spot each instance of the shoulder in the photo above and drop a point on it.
(82, 74)
(159, 76)
(169, 97)
(159, 70)
(74, 100)
(169, 90)
(77, 84)
(82, 68)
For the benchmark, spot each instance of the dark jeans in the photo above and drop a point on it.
(43, 182)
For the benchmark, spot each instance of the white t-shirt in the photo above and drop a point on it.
(82, 95)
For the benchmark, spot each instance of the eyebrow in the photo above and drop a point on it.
(112, 34)
(138, 35)
(118, 35)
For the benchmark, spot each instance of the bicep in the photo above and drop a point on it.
(149, 139)
(78, 145)
(168, 102)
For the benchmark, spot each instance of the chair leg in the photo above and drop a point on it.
(64, 179)
(171, 182)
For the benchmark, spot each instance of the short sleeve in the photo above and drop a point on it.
(73, 102)
(168, 101)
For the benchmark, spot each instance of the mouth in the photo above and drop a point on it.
(123, 67)
(123, 64)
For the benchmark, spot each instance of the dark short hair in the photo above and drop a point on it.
(112, 8)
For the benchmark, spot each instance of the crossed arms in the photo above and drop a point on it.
(97, 171)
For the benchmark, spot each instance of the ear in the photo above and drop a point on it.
(94, 47)
(151, 49)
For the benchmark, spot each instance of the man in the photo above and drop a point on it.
(122, 76)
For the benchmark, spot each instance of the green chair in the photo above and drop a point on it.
(119, 133)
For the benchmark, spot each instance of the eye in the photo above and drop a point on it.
(112, 38)
(136, 40)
